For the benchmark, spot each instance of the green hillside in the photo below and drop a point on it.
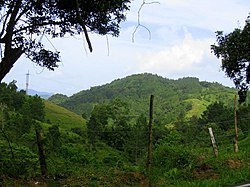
(198, 107)
(62, 117)
(110, 146)
(172, 97)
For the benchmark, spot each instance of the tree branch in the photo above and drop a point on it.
(38, 25)
(10, 57)
(83, 26)
(4, 23)
(11, 25)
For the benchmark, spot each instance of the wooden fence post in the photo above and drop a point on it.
(149, 156)
(213, 142)
(236, 149)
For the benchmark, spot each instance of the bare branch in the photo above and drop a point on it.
(139, 19)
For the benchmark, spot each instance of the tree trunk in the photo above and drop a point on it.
(8, 61)
(11, 55)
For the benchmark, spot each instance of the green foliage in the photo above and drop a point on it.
(173, 98)
(233, 49)
(10, 96)
(54, 18)
(220, 114)
(170, 153)
(79, 131)
(110, 123)
(137, 140)
(58, 98)
(97, 122)
(188, 85)
(242, 115)
(24, 163)
(53, 139)
(33, 108)
(182, 152)
(17, 125)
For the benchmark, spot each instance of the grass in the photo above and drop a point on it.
(205, 170)
(66, 119)
(107, 167)
(198, 107)
(228, 169)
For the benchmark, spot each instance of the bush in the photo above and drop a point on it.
(171, 153)
(24, 163)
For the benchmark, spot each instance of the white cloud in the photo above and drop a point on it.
(182, 32)
(183, 58)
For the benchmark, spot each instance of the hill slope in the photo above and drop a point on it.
(62, 117)
(173, 98)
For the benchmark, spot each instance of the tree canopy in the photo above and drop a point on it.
(25, 22)
(233, 50)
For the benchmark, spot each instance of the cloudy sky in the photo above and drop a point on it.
(175, 44)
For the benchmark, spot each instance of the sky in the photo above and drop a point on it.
(173, 41)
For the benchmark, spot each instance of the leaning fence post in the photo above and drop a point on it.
(213, 142)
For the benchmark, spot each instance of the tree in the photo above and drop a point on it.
(233, 49)
(219, 114)
(25, 22)
(117, 131)
(110, 123)
(98, 120)
(10, 96)
(37, 108)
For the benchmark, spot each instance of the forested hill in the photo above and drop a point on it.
(173, 98)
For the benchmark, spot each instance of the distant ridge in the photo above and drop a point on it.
(44, 95)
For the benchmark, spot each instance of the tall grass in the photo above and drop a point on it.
(62, 117)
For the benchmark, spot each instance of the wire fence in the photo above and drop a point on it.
(75, 155)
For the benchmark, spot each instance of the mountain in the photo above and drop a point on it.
(44, 95)
(173, 98)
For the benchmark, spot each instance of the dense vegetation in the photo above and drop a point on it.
(174, 98)
(106, 145)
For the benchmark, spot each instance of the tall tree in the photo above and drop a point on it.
(25, 22)
(98, 120)
(233, 50)
(110, 123)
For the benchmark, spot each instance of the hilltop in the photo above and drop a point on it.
(186, 96)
